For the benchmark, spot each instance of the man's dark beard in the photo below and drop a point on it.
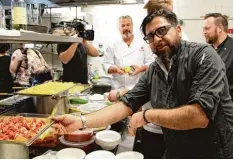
(167, 55)
(212, 40)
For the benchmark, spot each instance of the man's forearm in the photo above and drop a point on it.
(67, 55)
(92, 51)
(182, 118)
(105, 116)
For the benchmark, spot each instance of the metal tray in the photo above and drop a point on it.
(41, 94)
(25, 141)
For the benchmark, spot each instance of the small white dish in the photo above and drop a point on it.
(130, 155)
(70, 153)
(45, 157)
(107, 139)
(100, 155)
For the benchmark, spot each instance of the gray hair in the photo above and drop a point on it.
(125, 17)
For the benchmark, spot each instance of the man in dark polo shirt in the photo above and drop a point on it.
(74, 59)
(187, 88)
(215, 31)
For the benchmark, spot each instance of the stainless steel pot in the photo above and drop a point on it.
(45, 104)
(10, 150)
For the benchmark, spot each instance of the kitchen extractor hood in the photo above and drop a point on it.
(94, 2)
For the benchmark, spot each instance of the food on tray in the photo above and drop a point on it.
(48, 139)
(78, 101)
(78, 88)
(19, 128)
(49, 88)
(79, 136)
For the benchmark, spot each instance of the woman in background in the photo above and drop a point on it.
(6, 80)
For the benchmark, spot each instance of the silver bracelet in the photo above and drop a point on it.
(84, 122)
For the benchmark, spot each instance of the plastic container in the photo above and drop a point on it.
(91, 107)
(79, 135)
(85, 146)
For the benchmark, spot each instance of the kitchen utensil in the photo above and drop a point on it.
(40, 133)
(53, 113)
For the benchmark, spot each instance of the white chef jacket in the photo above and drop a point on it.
(120, 54)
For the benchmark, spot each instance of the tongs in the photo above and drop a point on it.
(54, 111)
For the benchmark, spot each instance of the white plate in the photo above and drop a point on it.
(100, 155)
(130, 155)
(70, 153)
(45, 157)
(91, 107)
(95, 130)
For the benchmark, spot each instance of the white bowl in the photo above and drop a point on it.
(45, 157)
(130, 155)
(100, 155)
(70, 153)
(108, 140)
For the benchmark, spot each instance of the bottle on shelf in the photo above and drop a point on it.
(19, 14)
(2, 17)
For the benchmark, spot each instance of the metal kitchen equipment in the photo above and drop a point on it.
(45, 104)
(14, 149)
(10, 150)
(56, 74)
(101, 85)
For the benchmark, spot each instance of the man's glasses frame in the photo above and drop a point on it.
(160, 32)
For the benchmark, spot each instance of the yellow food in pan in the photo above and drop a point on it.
(49, 88)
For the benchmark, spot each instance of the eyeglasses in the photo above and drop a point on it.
(160, 32)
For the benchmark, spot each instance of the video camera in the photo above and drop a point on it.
(80, 26)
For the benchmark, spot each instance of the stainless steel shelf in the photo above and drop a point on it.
(32, 37)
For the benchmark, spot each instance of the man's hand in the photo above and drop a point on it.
(112, 97)
(119, 71)
(136, 70)
(135, 122)
(66, 124)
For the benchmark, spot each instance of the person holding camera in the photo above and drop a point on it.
(74, 59)
(28, 64)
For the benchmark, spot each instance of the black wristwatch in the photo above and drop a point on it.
(118, 96)
(144, 115)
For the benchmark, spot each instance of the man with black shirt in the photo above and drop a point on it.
(215, 32)
(74, 59)
(187, 88)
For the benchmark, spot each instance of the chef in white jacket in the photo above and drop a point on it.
(129, 51)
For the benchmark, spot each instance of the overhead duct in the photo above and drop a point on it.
(94, 2)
